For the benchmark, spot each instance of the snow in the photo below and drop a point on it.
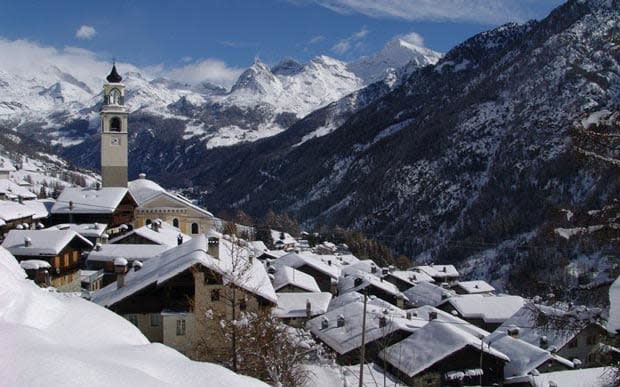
(87, 230)
(13, 191)
(12, 211)
(491, 309)
(82, 200)
(292, 305)
(477, 286)
(286, 275)
(180, 258)
(145, 191)
(613, 324)
(43, 242)
(166, 235)
(52, 339)
(426, 293)
(347, 283)
(587, 377)
(296, 261)
(40, 207)
(34, 264)
(437, 271)
(108, 252)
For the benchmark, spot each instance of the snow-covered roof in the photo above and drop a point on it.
(474, 287)
(132, 252)
(13, 191)
(434, 341)
(40, 207)
(144, 190)
(259, 247)
(410, 277)
(491, 309)
(79, 200)
(291, 305)
(42, 242)
(286, 275)
(524, 357)
(438, 271)
(166, 234)
(296, 261)
(6, 165)
(287, 240)
(34, 264)
(350, 297)
(348, 337)
(347, 284)
(526, 320)
(10, 210)
(587, 377)
(43, 332)
(87, 230)
(426, 293)
(613, 324)
(365, 266)
(159, 269)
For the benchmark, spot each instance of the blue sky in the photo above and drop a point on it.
(231, 33)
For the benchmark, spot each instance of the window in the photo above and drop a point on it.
(155, 319)
(243, 305)
(175, 222)
(194, 228)
(215, 295)
(180, 327)
(115, 124)
(148, 221)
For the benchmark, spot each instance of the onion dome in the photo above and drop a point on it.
(114, 77)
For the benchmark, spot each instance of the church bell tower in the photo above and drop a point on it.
(114, 132)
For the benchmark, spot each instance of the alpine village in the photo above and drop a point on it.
(452, 223)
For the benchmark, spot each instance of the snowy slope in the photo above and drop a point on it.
(52, 339)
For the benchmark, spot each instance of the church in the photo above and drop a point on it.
(119, 201)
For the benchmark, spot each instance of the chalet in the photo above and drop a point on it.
(40, 207)
(289, 280)
(283, 240)
(326, 274)
(113, 206)
(14, 215)
(341, 329)
(371, 285)
(94, 232)
(154, 202)
(439, 273)
(295, 309)
(6, 167)
(405, 279)
(444, 350)
(37, 270)
(62, 249)
(179, 297)
(473, 287)
(13, 191)
(485, 311)
(155, 233)
(572, 334)
(426, 293)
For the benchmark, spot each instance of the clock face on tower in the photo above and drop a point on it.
(115, 140)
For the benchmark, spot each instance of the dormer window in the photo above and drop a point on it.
(115, 124)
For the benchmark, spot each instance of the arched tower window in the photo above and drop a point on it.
(194, 228)
(115, 97)
(115, 124)
(175, 222)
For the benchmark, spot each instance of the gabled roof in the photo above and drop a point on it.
(286, 275)
(43, 242)
(10, 210)
(411, 277)
(437, 271)
(6, 165)
(365, 265)
(296, 261)
(145, 191)
(475, 287)
(491, 309)
(524, 357)
(176, 260)
(430, 344)
(108, 252)
(351, 297)
(347, 284)
(348, 337)
(13, 191)
(166, 234)
(291, 305)
(426, 293)
(89, 201)
(40, 207)
(88, 230)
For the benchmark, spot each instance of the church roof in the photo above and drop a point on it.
(114, 77)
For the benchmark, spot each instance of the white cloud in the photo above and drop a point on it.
(355, 40)
(212, 70)
(413, 38)
(481, 11)
(317, 39)
(85, 32)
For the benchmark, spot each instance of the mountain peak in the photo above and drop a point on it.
(287, 66)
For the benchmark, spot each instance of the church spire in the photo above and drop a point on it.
(114, 77)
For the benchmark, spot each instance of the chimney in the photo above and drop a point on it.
(513, 332)
(155, 225)
(373, 269)
(400, 300)
(334, 286)
(544, 342)
(432, 316)
(329, 262)
(27, 242)
(97, 246)
(408, 314)
(179, 239)
(382, 321)
(120, 268)
(385, 271)
(137, 265)
(308, 309)
(142, 176)
(340, 321)
(104, 238)
(324, 323)
(213, 248)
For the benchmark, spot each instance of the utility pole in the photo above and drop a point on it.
(363, 348)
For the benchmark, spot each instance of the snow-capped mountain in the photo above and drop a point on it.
(58, 93)
(474, 160)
